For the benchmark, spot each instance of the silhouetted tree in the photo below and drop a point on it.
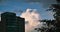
(56, 8)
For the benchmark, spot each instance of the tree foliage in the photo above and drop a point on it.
(56, 8)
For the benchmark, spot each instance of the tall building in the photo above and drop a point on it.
(0, 27)
(20, 24)
(8, 20)
(11, 23)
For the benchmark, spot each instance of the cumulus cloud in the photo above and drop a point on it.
(32, 17)
(0, 17)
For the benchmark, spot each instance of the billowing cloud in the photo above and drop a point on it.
(0, 15)
(32, 17)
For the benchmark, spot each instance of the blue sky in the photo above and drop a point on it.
(21, 5)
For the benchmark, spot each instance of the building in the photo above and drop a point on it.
(11, 23)
(20, 24)
(8, 20)
(0, 27)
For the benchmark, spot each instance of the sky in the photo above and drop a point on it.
(19, 6)
(22, 8)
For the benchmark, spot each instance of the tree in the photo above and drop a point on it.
(56, 8)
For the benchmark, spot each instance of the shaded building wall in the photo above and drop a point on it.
(8, 22)
(20, 24)
(0, 27)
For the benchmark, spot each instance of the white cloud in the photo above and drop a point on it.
(32, 17)
(0, 17)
